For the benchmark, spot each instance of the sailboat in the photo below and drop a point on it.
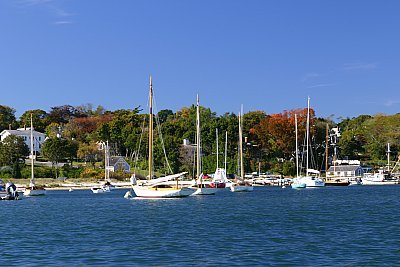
(296, 181)
(201, 187)
(159, 188)
(311, 178)
(240, 185)
(33, 189)
(106, 187)
(219, 179)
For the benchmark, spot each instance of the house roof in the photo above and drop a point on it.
(21, 132)
(343, 168)
(115, 159)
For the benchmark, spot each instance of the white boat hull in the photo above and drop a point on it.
(298, 185)
(311, 181)
(153, 192)
(99, 190)
(205, 191)
(367, 182)
(34, 192)
(241, 188)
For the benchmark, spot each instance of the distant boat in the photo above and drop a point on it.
(8, 191)
(297, 183)
(379, 178)
(159, 188)
(107, 186)
(240, 185)
(312, 177)
(200, 186)
(33, 189)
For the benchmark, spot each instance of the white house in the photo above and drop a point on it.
(119, 164)
(25, 133)
(345, 168)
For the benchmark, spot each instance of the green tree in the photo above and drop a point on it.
(7, 117)
(58, 149)
(13, 149)
(39, 118)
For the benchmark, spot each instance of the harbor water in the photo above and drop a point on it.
(271, 226)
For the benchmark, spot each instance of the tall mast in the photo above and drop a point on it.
(198, 141)
(241, 147)
(32, 183)
(151, 130)
(106, 161)
(226, 148)
(216, 137)
(326, 149)
(388, 157)
(297, 150)
(308, 132)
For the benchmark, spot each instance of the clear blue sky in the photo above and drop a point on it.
(266, 55)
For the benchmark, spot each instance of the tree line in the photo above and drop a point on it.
(269, 139)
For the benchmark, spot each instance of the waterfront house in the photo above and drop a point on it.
(118, 163)
(345, 169)
(25, 133)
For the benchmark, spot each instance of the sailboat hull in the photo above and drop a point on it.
(205, 191)
(241, 188)
(154, 192)
(34, 192)
(298, 185)
(312, 181)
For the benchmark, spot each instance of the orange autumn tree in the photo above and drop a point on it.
(277, 131)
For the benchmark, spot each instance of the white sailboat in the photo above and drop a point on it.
(297, 183)
(311, 178)
(220, 179)
(159, 188)
(33, 189)
(201, 187)
(240, 185)
(106, 187)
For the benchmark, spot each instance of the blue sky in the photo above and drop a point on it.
(266, 55)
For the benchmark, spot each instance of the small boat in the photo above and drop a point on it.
(380, 178)
(33, 189)
(8, 191)
(71, 190)
(100, 189)
(107, 186)
(239, 184)
(337, 182)
(159, 188)
(201, 188)
(312, 177)
(297, 183)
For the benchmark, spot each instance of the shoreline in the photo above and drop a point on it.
(71, 185)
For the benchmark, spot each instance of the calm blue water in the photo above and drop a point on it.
(347, 226)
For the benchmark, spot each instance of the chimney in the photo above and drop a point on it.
(25, 127)
(9, 126)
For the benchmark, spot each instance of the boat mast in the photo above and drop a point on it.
(326, 149)
(226, 148)
(388, 157)
(241, 147)
(297, 151)
(32, 183)
(198, 142)
(307, 132)
(106, 162)
(216, 137)
(151, 130)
